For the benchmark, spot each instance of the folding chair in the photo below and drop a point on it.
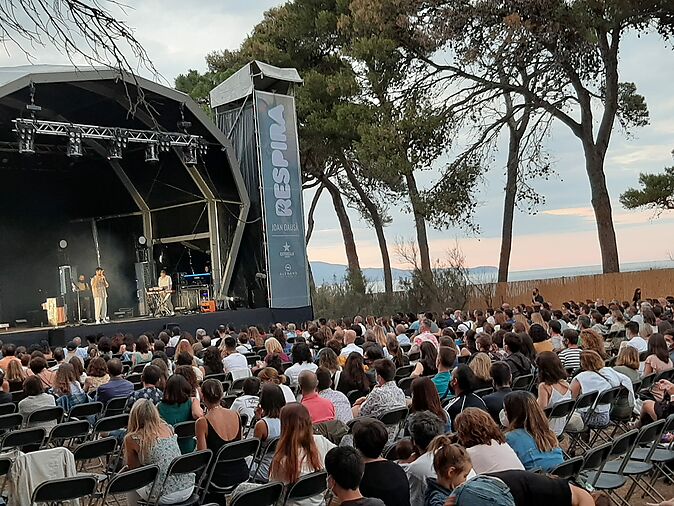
(7, 408)
(569, 468)
(55, 492)
(218, 376)
(406, 347)
(67, 431)
(82, 411)
(24, 438)
(109, 424)
(137, 369)
(18, 396)
(561, 410)
(265, 495)
(99, 449)
(185, 430)
(584, 401)
(115, 406)
(354, 395)
(607, 397)
(611, 482)
(523, 382)
(253, 359)
(237, 387)
(227, 401)
(43, 415)
(414, 356)
(11, 421)
(405, 384)
(635, 469)
(196, 463)
(659, 457)
(647, 382)
(403, 372)
(268, 448)
(134, 378)
(390, 451)
(617, 420)
(128, 481)
(394, 418)
(230, 452)
(309, 485)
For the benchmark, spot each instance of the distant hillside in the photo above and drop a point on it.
(326, 273)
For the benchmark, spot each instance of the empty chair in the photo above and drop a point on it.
(129, 481)
(24, 439)
(309, 485)
(90, 450)
(110, 423)
(115, 406)
(11, 421)
(64, 489)
(569, 469)
(354, 395)
(265, 495)
(66, 431)
(81, 411)
(228, 400)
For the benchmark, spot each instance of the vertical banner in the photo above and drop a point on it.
(281, 182)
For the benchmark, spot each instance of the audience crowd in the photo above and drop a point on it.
(403, 410)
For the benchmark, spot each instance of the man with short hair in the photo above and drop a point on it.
(342, 405)
(556, 335)
(117, 386)
(385, 396)
(463, 384)
(424, 334)
(633, 338)
(442, 380)
(501, 379)
(344, 466)
(8, 352)
(351, 347)
(59, 355)
(570, 357)
(320, 409)
(233, 361)
(401, 335)
(150, 378)
(71, 348)
(382, 478)
(583, 322)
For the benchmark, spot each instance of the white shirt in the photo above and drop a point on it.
(493, 458)
(165, 282)
(639, 343)
(293, 372)
(288, 394)
(234, 362)
(350, 348)
(173, 342)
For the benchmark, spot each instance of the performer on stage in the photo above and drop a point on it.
(99, 286)
(166, 284)
(85, 296)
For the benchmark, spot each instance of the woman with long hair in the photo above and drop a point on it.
(425, 397)
(178, 405)
(215, 429)
(187, 372)
(328, 359)
(553, 388)
(537, 318)
(273, 347)
(484, 442)
(165, 372)
(271, 375)
(591, 340)
(212, 361)
(380, 338)
(255, 337)
(658, 355)
(522, 320)
(353, 376)
(480, 364)
(15, 375)
(395, 351)
(78, 367)
(150, 440)
(268, 425)
(628, 363)
(426, 366)
(67, 388)
(185, 350)
(142, 353)
(529, 434)
(299, 451)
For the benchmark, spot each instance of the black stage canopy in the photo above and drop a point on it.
(192, 215)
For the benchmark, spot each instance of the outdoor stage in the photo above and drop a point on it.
(59, 336)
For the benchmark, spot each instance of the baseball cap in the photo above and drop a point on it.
(71, 346)
(201, 332)
(483, 491)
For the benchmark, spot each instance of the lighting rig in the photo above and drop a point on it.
(116, 139)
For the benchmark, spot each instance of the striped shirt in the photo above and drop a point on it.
(570, 357)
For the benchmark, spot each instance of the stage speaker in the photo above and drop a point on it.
(57, 337)
(37, 318)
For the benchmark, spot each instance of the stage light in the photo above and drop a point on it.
(26, 133)
(151, 152)
(63, 244)
(118, 143)
(202, 147)
(164, 143)
(142, 240)
(74, 143)
(190, 154)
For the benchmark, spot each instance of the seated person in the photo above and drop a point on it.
(344, 466)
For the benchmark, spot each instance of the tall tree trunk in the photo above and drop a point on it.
(310, 230)
(509, 205)
(601, 204)
(377, 223)
(420, 224)
(355, 272)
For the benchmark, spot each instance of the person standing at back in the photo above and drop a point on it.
(344, 466)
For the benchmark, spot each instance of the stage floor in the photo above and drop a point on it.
(59, 336)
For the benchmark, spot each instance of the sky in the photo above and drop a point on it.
(178, 34)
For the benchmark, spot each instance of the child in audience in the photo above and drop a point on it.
(452, 466)
(248, 402)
